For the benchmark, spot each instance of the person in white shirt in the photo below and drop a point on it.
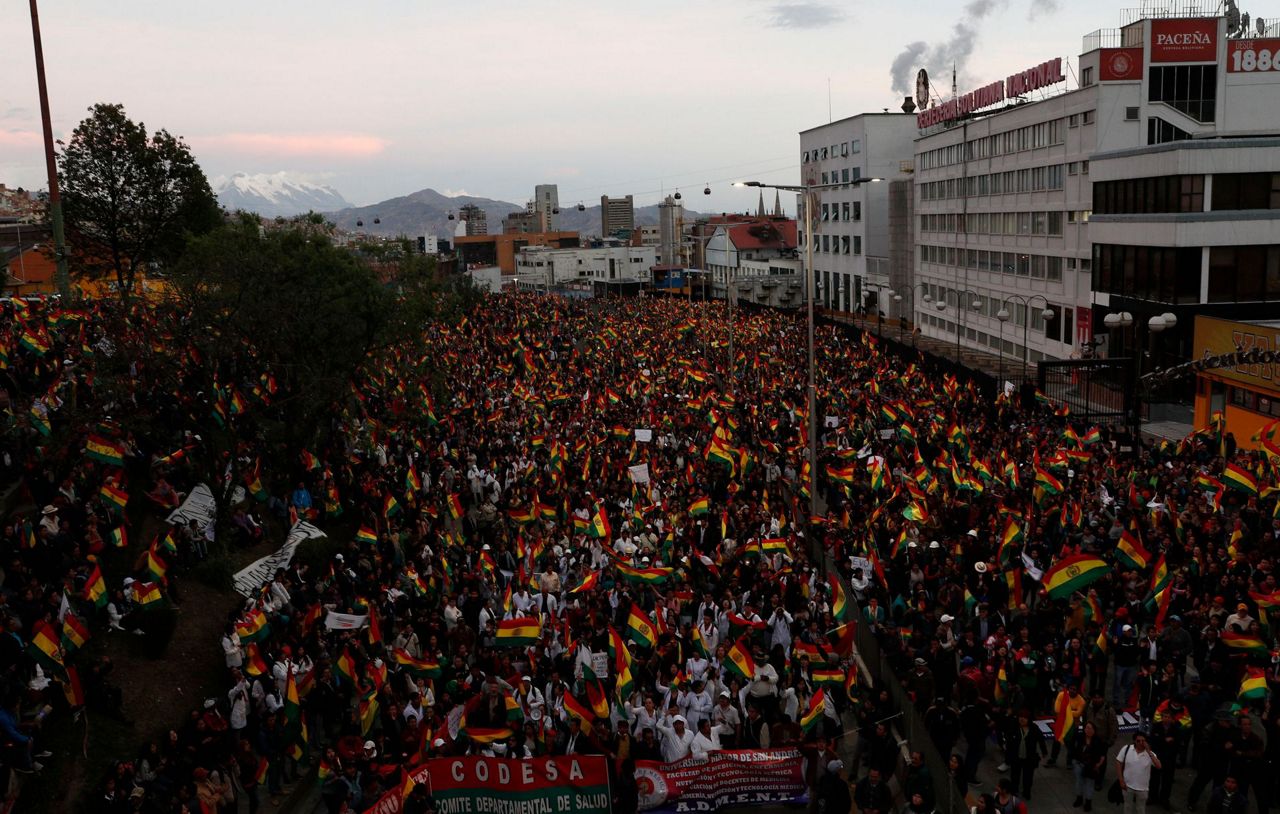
(677, 740)
(452, 614)
(696, 667)
(1133, 770)
(232, 650)
(707, 740)
(238, 695)
(645, 717)
(780, 622)
(699, 707)
(725, 714)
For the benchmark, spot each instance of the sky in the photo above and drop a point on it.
(385, 97)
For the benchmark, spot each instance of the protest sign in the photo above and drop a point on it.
(544, 785)
(730, 778)
(639, 473)
(200, 506)
(345, 621)
(259, 573)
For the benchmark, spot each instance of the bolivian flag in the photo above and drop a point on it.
(114, 496)
(44, 648)
(828, 675)
(1240, 479)
(455, 506)
(1254, 685)
(700, 507)
(523, 516)
(813, 716)
(599, 526)
(646, 576)
(640, 629)
(1073, 574)
(366, 535)
(589, 582)
(107, 452)
(368, 709)
(738, 660)
(254, 664)
(95, 588)
(74, 633)
(841, 474)
(839, 600)
(1131, 553)
(254, 627)
(119, 537)
(775, 545)
(520, 632)
(1065, 710)
(1243, 641)
(1046, 481)
(580, 711)
(147, 593)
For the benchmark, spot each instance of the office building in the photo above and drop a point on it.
(546, 205)
(1137, 189)
(741, 248)
(475, 220)
(480, 251)
(616, 214)
(543, 267)
(851, 221)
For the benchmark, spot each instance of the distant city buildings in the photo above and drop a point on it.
(546, 207)
(616, 215)
(475, 220)
(670, 231)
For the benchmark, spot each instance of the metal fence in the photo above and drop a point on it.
(1096, 390)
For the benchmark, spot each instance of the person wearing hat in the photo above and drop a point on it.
(707, 739)
(1240, 620)
(833, 789)
(675, 737)
(724, 714)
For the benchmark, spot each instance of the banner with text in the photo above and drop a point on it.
(577, 784)
(253, 577)
(730, 778)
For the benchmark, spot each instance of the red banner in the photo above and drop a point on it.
(569, 783)
(1119, 64)
(1190, 39)
(1253, 56)
(730, 778)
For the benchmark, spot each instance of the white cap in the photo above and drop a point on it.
(128, 581)
(1126, 628)
(724, 694)
(369, 745)
(946, 618)
(835, 766)
(438, 742)
(679, 719)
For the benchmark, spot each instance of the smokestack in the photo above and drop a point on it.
(908, 105)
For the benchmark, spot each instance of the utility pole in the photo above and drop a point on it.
(61, 278)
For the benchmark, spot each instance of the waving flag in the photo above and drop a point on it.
(1131, 553)
(738, 660)
(1073, 574)
(813, 716)
(520, 632)
(640, 629)
(1240, 479)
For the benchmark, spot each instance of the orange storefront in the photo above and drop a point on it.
(1247, 395)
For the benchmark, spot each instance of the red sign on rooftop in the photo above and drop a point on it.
(1191, 39)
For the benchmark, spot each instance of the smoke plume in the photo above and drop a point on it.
(1041, 7)
(939, 57)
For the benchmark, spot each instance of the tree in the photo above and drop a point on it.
(130, 200)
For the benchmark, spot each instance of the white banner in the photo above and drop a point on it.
(639, 473)
(200, 506)
(644, 436)
(253, 577)
(344, 621)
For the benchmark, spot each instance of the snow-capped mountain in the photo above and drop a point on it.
(277, 195)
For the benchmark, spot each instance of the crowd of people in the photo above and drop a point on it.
(578, 527)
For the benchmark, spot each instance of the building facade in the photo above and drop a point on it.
(1007, 231)
(1247, 396)
(546, 206)
(616, 214)
(474, 220)
(541, 267)
(670, 231)
(851, 222)
(743, 247)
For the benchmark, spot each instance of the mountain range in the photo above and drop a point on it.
(276, 195)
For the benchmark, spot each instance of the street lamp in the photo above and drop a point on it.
(892, 295)
(61, 277)
(809, 190)
(1002, 316)
(1047, 314)
(976, 304)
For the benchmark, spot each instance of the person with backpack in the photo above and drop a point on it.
(1133, 773)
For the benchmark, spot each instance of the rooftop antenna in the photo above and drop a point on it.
(955, 88)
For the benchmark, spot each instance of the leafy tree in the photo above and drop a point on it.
(130, 199)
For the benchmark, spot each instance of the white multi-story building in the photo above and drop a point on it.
(743, 247)
(1007, 176)
(541, 267)
(851, 223)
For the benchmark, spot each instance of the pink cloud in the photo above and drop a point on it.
(335, 145)
(20, 138)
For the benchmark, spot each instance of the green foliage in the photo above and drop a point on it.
(130, 199)
(216, 572)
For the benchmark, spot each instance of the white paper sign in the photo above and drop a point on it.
(249, 580)
(861, 562)
(1032, 571)
(644, 436)
(600, 664)
(831, 421)
(639, 473)
(344, 621)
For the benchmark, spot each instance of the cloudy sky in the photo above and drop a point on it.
(384, 97)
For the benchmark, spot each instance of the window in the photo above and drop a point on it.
(1073, 120)
(844, 175)
(1246, 190)
(824, 153)
(1160, 131)
(1190, 89)
(1086, 77)
(1087, 117)
(1160, 274)
(825, 213)
(1244, 273)
(1131, 114)
(857, 244)
(844, 244)
(806, 156)
(857, 210)
(1084, 167)
(857, 145)
(844, 211)
(824, 178)
(826, 243)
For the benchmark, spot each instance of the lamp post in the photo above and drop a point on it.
(975, 304)
(1002, 316)
(892, 295)
(1046, 314)
(809, 190)
(927, 299)
(1121, 320)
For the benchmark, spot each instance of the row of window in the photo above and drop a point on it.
(842, 176)
(846, 211)
(838, 244)
(997, 223)
(1018, 264)
(1013, 350)
(1185, 193)
(1148, 272)
(841, 150)
(1009, 182)
(1061, 328)
(1258, 403)
(1009, 142)
(1244, 273)
(1190, 89)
